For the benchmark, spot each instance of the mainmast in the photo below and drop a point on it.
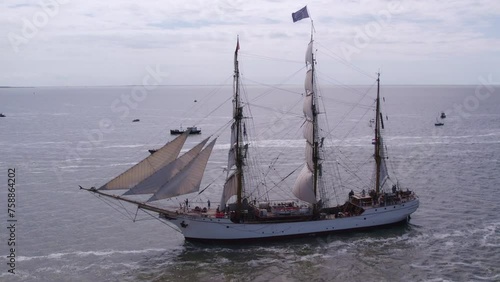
(306, 185)
(315, 144)
(378, 142)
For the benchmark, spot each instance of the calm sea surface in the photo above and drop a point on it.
(59, 138)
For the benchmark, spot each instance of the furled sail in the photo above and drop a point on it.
(148, 166)
(151, 184)
(188, 180)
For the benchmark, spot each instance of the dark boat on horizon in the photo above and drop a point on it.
(192, 130)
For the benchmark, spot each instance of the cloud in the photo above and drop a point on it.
(111, 42)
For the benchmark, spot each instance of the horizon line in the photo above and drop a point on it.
(229, 84)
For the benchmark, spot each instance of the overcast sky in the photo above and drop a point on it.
(76, 42)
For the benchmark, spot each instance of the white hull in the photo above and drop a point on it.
(210, 229)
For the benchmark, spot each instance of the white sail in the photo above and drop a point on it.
(303, 188)
(309, 156)
(309, 57)
(148, 166)
(308, 83)
(151, 184)
(187, 180)
(308, 106)
(230, 189)
(308, 131)
(304, 185)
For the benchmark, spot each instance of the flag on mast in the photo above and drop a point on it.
(300, 14)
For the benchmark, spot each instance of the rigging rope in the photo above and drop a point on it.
(338, 58)
(112, 203)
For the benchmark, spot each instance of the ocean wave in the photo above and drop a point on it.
(56, 256)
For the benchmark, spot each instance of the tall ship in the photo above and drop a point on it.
(241, 217)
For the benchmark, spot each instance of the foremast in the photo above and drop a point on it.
(235, 181)
(238, 117)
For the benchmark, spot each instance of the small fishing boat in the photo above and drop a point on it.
(192, 130)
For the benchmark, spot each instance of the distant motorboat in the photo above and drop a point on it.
(192, 130)
(136, 120)
(2, 115)
(443, 115)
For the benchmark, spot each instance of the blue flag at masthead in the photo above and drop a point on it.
(300, 14)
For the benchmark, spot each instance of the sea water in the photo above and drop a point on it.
(57, 138)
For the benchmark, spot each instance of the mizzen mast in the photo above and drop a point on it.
(377, 155)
